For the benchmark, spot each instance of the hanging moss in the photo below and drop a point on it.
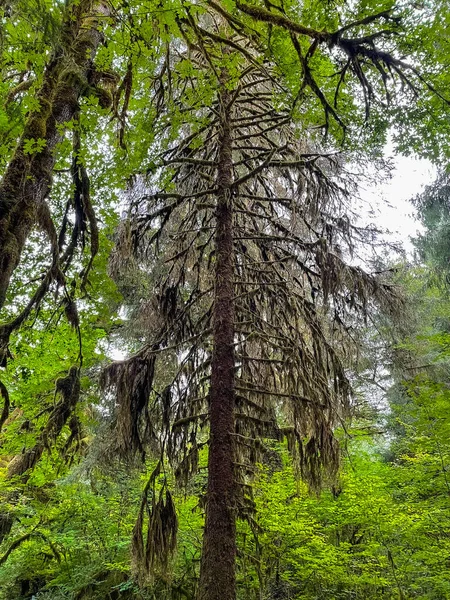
(68, 389)
(132, 381)
(152, 552)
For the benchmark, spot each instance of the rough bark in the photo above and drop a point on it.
(217, 570)
(28, 178)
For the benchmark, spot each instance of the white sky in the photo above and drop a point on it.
(391, 199)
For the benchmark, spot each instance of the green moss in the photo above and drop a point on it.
(13, 180)
(74, 77)
(45, 107)
(36, 127)
(104, 96)
(10, 249)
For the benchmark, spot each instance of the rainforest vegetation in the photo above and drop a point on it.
(219, 378)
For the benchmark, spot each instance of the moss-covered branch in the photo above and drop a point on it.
(28, 178)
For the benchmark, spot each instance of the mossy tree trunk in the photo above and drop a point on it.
(28, 178)
(217, 570)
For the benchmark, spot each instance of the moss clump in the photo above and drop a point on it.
(45, 107)
(105, 98)
(36, 128)
(11, 184)
(66, 100)
(73, 77)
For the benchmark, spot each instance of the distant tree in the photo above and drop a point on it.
(433, 210)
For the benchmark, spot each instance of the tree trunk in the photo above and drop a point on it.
(27, 180)
(217, 569)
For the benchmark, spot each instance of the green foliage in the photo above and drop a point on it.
(384, 532)
(379, 534)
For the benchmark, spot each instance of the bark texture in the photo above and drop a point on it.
(217, 570)
(28, 178)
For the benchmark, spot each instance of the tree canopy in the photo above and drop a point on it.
(177, 193)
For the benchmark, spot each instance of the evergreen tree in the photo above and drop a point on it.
(254, 292)
(433, 210)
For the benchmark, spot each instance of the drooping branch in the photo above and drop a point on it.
(152, 551)
(361, 56)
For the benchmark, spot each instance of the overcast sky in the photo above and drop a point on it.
(391, 199)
